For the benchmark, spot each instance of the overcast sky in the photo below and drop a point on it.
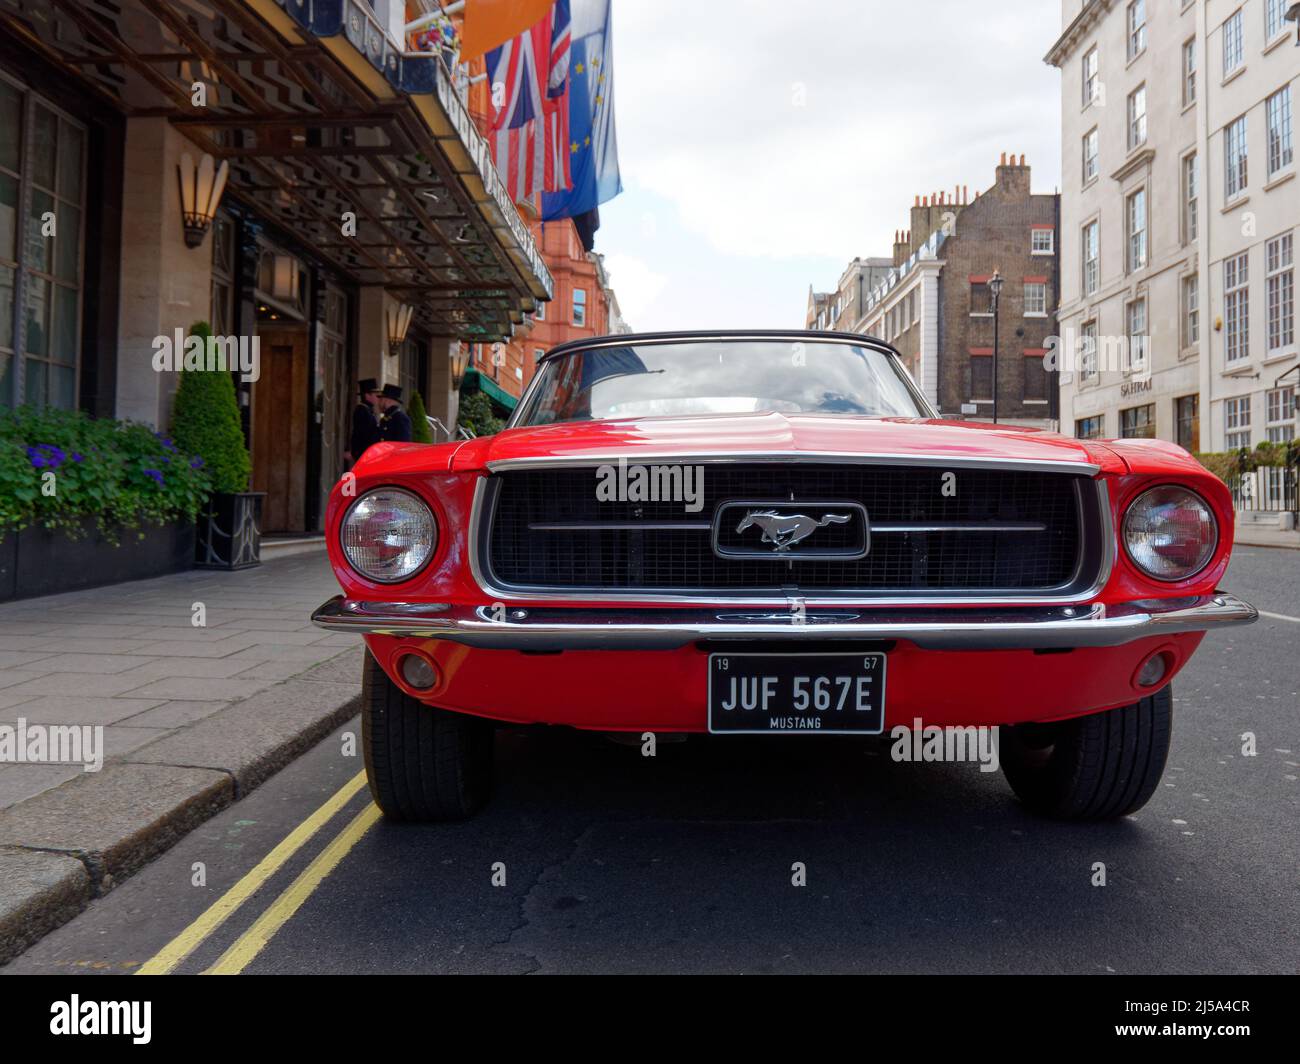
(763, 145)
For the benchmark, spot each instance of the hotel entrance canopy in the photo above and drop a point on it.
(363, 151)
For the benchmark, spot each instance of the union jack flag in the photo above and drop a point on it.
(516, 73)
(529, 81)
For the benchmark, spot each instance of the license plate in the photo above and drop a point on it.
(778, 693)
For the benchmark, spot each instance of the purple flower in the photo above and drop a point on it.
(154, 475)
(78, 457)
(197, 463)
(45, 455)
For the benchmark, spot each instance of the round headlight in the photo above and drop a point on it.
(388, 535)
(1170, 533)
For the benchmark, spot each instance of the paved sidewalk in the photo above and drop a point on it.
(193, 718)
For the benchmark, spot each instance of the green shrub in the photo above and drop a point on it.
(421, 432)
(1228, 464)
(477, 416)
(58, 467)
(205, 422)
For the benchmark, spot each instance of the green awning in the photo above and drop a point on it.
(491, 389)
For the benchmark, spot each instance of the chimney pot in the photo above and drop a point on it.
(1004, 159)
(1022, 160)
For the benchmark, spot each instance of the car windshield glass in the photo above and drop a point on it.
(719, 377)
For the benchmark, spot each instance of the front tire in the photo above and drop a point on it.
(1098, 767)
(423, 764)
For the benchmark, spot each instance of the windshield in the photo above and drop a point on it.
(719, 377)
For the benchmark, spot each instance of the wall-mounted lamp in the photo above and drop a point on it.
(459, 363)
(285, 277)
(1293, 15)
(398, 317)
(201, 189)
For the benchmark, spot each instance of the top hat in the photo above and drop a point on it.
(392, 391)
(367, 384)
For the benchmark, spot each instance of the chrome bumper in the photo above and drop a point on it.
(558, 628)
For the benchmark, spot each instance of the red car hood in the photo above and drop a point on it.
(776, 433)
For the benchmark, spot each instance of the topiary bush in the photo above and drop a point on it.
(205, 422)
(477, 416)
(421, 431)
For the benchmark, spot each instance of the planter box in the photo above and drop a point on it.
(37, 561)
(229, 533)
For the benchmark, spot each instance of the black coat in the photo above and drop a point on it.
(365, 431)
(395, 426)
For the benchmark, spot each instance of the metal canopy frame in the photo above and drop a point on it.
(318, 114)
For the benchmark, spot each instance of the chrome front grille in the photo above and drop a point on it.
(1022, 532)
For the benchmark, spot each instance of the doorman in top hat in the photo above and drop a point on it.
(394, 424)
(365, 423)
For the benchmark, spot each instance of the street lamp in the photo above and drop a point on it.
(201, 189)
(1293, 15)
(995, 290)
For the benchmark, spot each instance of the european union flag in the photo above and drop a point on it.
(593, 143)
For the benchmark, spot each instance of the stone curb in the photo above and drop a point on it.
(66, 846)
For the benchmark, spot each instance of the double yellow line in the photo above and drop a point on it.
(251, 942)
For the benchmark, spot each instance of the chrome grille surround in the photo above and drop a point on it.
(1095, 558)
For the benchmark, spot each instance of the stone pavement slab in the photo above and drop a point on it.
(193, 717)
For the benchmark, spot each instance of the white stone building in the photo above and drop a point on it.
(1178, 215)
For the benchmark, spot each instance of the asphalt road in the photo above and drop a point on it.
(682, 863)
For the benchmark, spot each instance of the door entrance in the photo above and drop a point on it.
(279, 427)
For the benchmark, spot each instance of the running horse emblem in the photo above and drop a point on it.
(784, 530)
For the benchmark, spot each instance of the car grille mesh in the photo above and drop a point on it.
(520, 554)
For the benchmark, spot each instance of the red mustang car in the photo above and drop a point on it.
(739, 533)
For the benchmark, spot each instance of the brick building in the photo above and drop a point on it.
(934, 304)
(583, 306)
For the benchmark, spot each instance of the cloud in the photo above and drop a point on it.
(638, 285)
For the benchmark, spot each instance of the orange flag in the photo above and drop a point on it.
(490, 23)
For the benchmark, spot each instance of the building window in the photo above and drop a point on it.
(1091, 83)
(1137, 117)
(42, 162)
(1233, 52)
(538, 352)
(981, 377)
(1191, 196)
(1189, 72)
(579, 306)
(1135, 318)
(1035, 299)
(1234, 156)
(1187, 422)
(1278, 111)
(1236, 422)
(1035, 379)
(1191, 311)
(1137, 28)
(1088, 351)
(1236, 307)
(1090, 167)
(1042, 241)
(1274, 18)
(981, 298)
(540, 313)
(1279, 407)
(1136, 213)
(1091, 235)
(1279, 292)
(1138, 423)
(223, 275)
(1090, 428)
